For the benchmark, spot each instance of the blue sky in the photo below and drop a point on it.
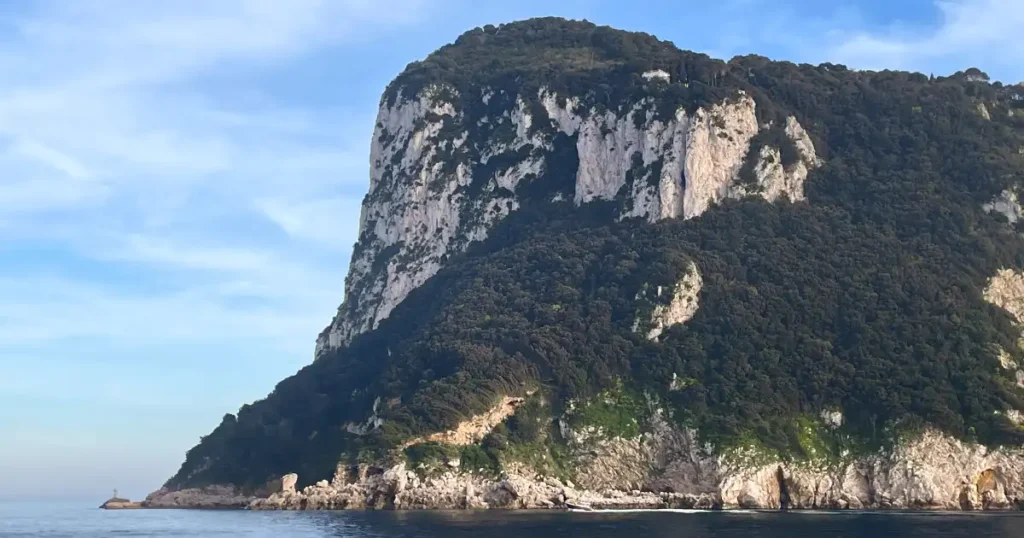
(180, 187)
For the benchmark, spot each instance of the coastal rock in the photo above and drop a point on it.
(288, 482)
(667, 469)
(217, 496)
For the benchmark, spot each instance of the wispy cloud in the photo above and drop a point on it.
(51, 157)
(133, 136)
(969, 32)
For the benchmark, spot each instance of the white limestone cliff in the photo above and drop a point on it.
(418, 211)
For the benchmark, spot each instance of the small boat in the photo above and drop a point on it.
(573, 507)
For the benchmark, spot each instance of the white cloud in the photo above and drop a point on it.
(969, 33)
(58, 312)
(114, 90)
(135, 136)
(327, 222)
(51, 157)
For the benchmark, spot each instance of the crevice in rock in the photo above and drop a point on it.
(784, 500)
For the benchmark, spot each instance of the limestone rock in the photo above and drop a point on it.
(682, 306)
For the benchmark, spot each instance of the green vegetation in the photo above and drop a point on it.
(530, 438)
(476, 459)
(430, 455)
(866, 299)
(616, 413)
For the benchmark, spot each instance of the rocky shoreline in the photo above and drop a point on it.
(934, 472)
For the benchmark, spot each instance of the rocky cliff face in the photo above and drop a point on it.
(434, 188)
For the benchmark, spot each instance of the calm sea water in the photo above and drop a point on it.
(52, 521)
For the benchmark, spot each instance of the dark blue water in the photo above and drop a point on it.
(51, 521)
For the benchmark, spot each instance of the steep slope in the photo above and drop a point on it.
(719, 284)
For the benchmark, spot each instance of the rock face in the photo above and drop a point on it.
(441, 178)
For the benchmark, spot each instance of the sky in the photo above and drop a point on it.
(180, 186)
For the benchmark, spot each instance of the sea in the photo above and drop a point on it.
(34, 520)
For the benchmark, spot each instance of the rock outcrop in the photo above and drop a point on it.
(682, 305)
(434, 188)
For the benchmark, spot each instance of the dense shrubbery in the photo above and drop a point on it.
(866, 299)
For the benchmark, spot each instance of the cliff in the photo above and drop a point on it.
(597, 270)
(420, 211)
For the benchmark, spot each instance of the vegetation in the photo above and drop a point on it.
(614, 413)
(867, 299)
